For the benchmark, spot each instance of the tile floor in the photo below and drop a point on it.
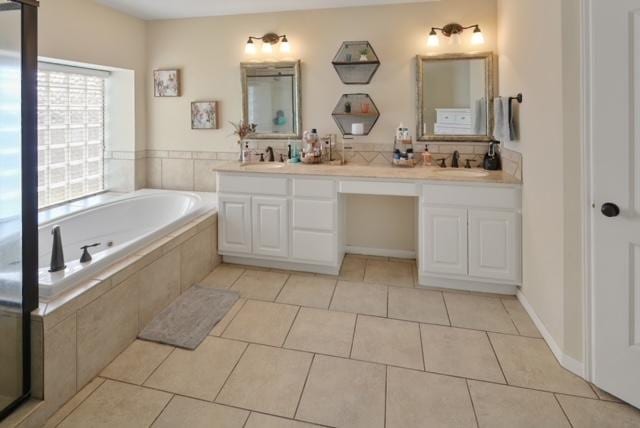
(365, 349)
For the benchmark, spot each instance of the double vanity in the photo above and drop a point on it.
(293, 217)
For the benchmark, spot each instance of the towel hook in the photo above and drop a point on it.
(511, 100)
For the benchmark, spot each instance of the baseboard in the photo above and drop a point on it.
(569, 363)
(276, 264)
(466, 285)
(382, 252)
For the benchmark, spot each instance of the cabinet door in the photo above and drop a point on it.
(234, 223)
(445, 240)
(494, 244)
(270, 227)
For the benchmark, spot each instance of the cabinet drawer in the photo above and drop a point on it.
(463, 118)
(445, 117)
(314, 215)
(310, 188)
(260, 185)
(474, 196)
(314, 247)
(378, 188)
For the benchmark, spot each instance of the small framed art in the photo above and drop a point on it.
(204, 115)
(166, 83)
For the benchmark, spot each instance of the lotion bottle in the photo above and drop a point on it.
(427, 159)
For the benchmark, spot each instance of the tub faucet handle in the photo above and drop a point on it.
(86, 257)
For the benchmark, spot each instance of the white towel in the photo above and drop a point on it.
(480, 117)
(504, 128)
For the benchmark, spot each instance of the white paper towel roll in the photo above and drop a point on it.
(357, 128)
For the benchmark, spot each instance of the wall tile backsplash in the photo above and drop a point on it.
(189, 170)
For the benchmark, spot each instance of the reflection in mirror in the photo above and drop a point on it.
(271, 98)
(454, 94)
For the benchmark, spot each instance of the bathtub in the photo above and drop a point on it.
(121, 226)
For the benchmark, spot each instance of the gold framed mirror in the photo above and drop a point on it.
(455, 97)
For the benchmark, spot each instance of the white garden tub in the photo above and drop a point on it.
(121, 226)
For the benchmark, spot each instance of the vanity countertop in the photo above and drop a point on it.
(420, 173)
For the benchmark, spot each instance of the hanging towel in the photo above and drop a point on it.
(480, 117)
(504, 129)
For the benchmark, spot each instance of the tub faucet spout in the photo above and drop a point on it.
(57, 255)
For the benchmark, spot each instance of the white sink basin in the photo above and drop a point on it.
(462, 173)
(263, 165)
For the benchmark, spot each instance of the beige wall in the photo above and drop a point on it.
(542, 62)
(209, 51)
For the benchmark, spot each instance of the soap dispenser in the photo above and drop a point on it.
(427, 159)
(492, 158)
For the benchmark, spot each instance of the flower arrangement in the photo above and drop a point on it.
(243, 130)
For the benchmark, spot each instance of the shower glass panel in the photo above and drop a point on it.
(17, 160)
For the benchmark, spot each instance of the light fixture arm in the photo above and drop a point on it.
(453, 28)
(270, 38)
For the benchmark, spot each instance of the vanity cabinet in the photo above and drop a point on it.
(270, 223)
(470, 233)
(235, 230)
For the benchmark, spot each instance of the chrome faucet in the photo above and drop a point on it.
(57, 256)
(455, 162)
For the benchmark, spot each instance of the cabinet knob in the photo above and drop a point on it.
(609, 209)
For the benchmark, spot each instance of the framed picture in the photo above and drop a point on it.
(204, 115)
(166, 83)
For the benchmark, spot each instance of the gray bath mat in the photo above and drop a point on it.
(189, 319)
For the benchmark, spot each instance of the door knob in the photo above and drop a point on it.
(610, 209)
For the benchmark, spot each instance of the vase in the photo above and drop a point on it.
(364, 57)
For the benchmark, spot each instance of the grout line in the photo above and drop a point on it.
(224, 330)
(333, 293)
(291, 327)
(386, 394)
(424, 360)
(163, 409)
(80, 403)
(230, 373)
(510, 317)
(304, 385)
(353, 336)
(495, 354)
(473, 406)
(446, 308)
(158, 366)
(284, 284)
(562, 408)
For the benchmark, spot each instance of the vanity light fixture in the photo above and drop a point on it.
(268, 41)
(453, 31)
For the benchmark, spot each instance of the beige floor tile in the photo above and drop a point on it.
(388, 341)
(507, 407)
(521, 318)
(585, 413)
(72, 404)
(116, 404)
(413, 304)
(268, 380)
(529, 363)
(478, 312)
(416, 399)
(359, 297)
(229, 316)
(310, 291)
(389, 273)
(260, 285)
(324, 332)
(259, 420)
(187, 412)
(262, 322)
(137, 362)
(199, 373)
(223, 276)
(353, 268)
(344, 393)
(459, 352)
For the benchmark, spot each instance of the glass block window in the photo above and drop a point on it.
(71, 103)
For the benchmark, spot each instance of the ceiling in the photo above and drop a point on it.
(170, 9)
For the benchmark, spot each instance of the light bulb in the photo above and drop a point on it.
(478, 37)
(267, 48)
(250, 48)
(454, 39)
(284, 45)
(433, 40)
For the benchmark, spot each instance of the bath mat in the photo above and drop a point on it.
(189, 319)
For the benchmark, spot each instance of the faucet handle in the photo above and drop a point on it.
(468, 163)
(86, 257)
(443, 162)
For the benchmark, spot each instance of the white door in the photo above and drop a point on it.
(444, 240)
(493, 244)
(270, 227)
(614, 119)
(234, 223)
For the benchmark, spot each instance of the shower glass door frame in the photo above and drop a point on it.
(28, 183)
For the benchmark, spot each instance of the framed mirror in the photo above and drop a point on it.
(271, 98)
(455, 97)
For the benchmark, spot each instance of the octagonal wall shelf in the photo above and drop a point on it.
(353, 65)
(355, 109)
